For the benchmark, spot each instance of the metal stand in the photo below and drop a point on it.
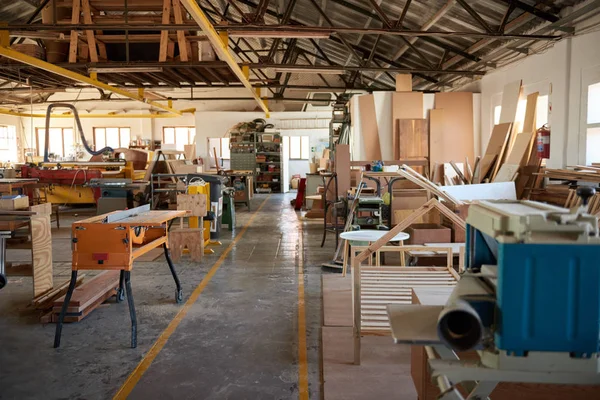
(179, 292)
(3, 236)
(63, 311)
(131, 309)
(121, 289)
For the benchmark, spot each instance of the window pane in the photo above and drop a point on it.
(295, 147)
(4, 142)
(305, 147)
(181, 137)
(214, 143)
(112, 137)
(593, 146)
(125, 137)
(100, 139)
(226, 154)
(68, 137)
(497, 111)
(520, 117)
(56, 142)
(169, 134)
(541, 116)
(593, 112)
(41, 136)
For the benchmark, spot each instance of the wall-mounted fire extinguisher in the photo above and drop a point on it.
(543, 142)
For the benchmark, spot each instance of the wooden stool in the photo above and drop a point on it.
(190, 238)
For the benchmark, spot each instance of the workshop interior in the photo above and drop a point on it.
(300, 199)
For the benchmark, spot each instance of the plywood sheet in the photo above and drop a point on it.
(407, 105)
(41, 248)
(494, 150)
(458, 140)
(342, 168)
(522, 146)
(195, 204)
(436, 140)
(510, 101)
(413, 138)
(530, 113)
(403, 82)
(507, 173)
(368, 124)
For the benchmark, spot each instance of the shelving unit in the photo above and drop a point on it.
(250, 152)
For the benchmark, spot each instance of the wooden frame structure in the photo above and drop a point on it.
(375, 287)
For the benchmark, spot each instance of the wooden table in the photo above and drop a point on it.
(426, 390)
(126, 235)
(8, 185)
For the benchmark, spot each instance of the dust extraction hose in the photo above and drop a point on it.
(79, 128)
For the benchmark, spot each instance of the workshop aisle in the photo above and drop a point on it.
(236, 337)
(242, 338)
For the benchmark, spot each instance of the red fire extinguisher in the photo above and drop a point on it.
(543, 142)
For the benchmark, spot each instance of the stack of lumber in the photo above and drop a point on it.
(86, 297)
(563, 193)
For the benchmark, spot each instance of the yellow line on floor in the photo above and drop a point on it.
(141, 368)
(302, 358)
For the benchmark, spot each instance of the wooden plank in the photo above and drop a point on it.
(92, 289)
(181, 41)
(494, 150)
(510, 102)
(41, 249)
(407, 105)
(369, 130)
(521, 147)
(74, 34)
(189, 151)
(458, 139)
(195, 204)
(190, 238)
(413, 138)
(164, 34)
(403, 82)
(91, 40)
(530, 113)
(507, 173)
(342, 168)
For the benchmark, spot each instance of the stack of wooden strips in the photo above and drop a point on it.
(86, 297)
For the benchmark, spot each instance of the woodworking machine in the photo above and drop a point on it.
(528, 301)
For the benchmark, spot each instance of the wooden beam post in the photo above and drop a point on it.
(164, 34)
(91, 39)
(181, 41)
(74, 37)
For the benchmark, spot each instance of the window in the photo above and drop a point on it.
(593, 124)
(541, 113)
(8, 143)
(112, 137)
(299, 148)
(179, 136)
(222, 147)
(61, 141)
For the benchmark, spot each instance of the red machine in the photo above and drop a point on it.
(543, 142)
(66, 186)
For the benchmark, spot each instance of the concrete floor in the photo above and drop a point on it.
(239, 340)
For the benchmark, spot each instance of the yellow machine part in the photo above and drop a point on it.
(193, 221)
(65, 194)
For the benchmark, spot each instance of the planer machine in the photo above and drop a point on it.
(528, 302)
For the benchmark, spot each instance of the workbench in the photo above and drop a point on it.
(126, 235)
(19, 184)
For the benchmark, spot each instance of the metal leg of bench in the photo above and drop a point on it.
(63, 311)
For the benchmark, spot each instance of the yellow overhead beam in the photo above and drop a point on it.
(6, 111)
(221, 48)
(46, 66)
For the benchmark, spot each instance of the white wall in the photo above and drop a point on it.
(558, 72)
(217, 124)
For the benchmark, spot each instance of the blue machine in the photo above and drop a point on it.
(539, 266)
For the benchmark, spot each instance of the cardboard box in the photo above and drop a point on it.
(14, 202)
(428, 233)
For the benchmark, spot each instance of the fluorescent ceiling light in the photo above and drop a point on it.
(110, 70)
(310, 70)
(279, 34)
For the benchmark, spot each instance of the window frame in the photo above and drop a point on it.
(62, 136)
(105, 138)
(220, 149)
(8, 138)
(303, 157)
(191, 136)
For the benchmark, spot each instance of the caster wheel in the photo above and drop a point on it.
(179, 296)
(3, 281)
(120, 295)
